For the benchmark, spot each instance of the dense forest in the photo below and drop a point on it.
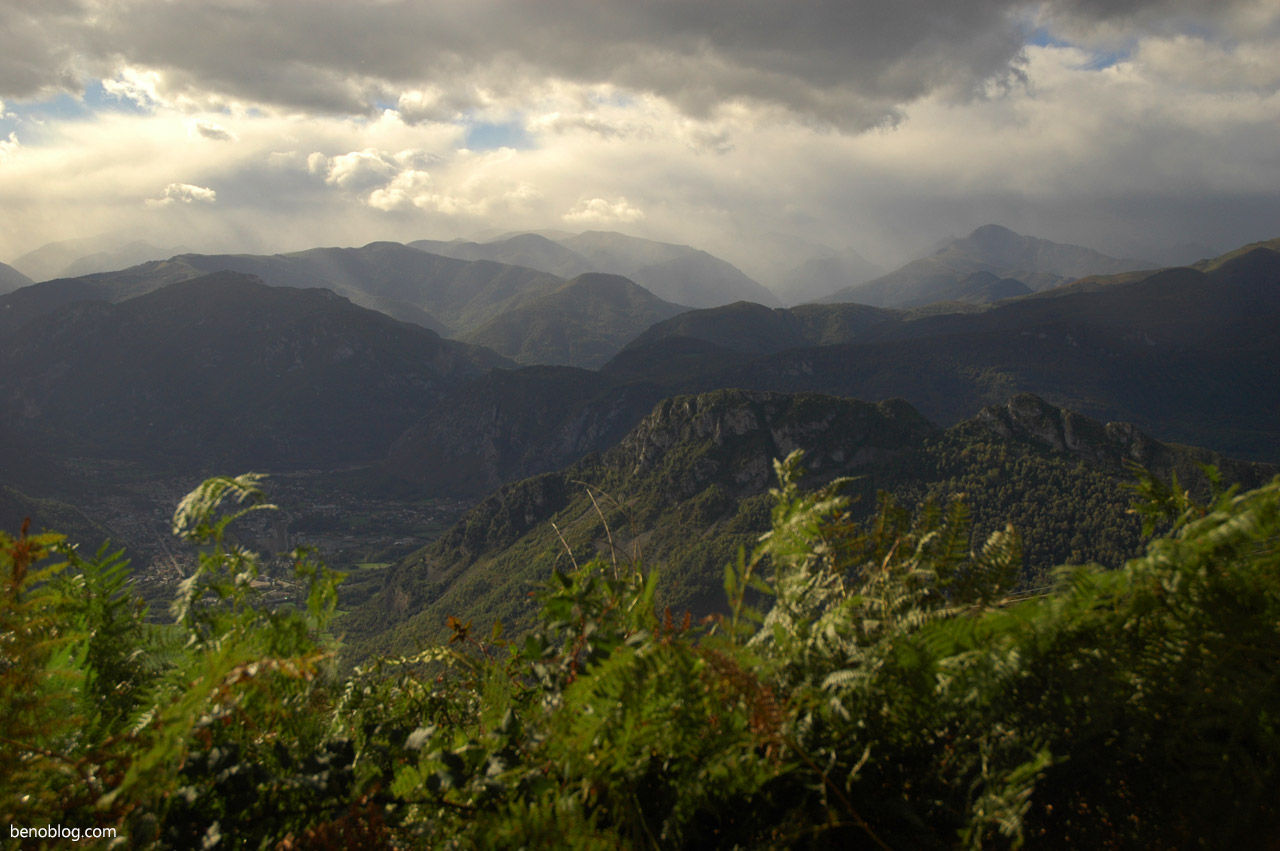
(871, 682)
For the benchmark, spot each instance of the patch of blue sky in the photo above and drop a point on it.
(1106, 59)
(61, 107)
(97, 98)
(1043, 37)
(30, 119)
(68, 107)
(487, 136)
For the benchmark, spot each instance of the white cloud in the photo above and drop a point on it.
(522, 193)
(414, 189)
(403, 192)
(430, 104)
(594, 211)
(358, 169)
(183, 193)
(139, 86)
(10, 146)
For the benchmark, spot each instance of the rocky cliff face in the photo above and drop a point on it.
(1027, 417)
(736, 434)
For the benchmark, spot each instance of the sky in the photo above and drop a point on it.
(1142, 128)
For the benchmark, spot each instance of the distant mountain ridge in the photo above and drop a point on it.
(526, 249)
(582, 323)
(530, 315)
(1189, 354)
(676, 273)
(946, 275)
(76, 257)
(748, 327)
(440, 293)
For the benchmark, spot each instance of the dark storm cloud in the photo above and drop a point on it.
(34, 54)
(851, 63)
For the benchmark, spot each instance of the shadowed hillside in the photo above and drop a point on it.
(226, 371)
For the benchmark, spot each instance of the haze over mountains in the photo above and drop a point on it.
(74, 257)
(675, 273)
(990, 264)
(985, 266)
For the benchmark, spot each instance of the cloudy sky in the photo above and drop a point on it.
(271, 125)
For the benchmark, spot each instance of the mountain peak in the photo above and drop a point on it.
(994, 232)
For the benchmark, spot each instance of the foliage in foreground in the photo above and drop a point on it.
(895, 695)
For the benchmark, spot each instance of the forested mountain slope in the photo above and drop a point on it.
(689, 484)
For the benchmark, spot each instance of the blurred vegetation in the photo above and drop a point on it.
(874, 682)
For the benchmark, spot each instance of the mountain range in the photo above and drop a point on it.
(75, 257)
(1152, 348)
(656, 419)
(675, 273)
(531, 316)
(1188, 354)
(815, 277)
